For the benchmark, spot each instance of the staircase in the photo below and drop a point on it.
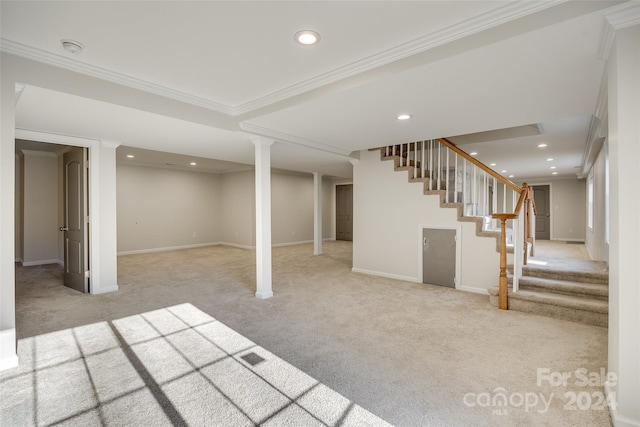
(575, 294)
(459, 183)
(576, 291)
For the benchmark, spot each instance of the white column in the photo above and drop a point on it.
(624, 269)
(8, 356)
(263, 217)
(317, 213)
(103, 221)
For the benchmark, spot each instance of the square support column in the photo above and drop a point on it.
(263, 216)
(624, 270)
(317, 213)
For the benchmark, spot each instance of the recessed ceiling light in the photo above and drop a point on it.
(307, 37)
(504, 171)
(473, 153)
(72, 46)
(549, 159)
(552, 167)
(130, 156)
(542, 145)
(554, 173)
(404, 117)
(492, 164)
(193, 163)
(511, 176)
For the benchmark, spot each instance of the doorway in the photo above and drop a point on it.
(541, 196)
(344, 212)
(51, 201)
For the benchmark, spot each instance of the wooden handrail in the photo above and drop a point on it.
(525, 200)
(478, 163)
(523, 195)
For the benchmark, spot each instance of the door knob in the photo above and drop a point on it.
(64, 228)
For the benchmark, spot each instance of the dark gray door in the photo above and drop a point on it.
(344, 212)
(75, 228)
(439, 257)
(543, 208)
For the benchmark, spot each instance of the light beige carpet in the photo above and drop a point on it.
(411, 354)
(172, 366)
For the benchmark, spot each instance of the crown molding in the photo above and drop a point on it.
(32, 135)
(619, 17)
(60, 61)
(490, 19)
(293, 139)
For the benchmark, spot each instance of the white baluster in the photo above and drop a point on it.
(439, 165)
(465, 185)
(455, 180)
(431, 164)
(422, 144)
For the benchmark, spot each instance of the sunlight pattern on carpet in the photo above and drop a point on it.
(173, 366)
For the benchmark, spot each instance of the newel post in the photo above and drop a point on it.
(502, 283)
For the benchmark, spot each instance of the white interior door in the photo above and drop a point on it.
(76, 254)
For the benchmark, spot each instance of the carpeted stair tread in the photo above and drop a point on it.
(588, 272)
(579, 289)
(559, 300)
(580, 310)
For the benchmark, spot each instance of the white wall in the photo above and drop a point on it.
(40, 203)
(164, 208)
(623, 69)
(161, 208)
(388, 211)
(238, 209)
(595, 240)
(292, 208)
(568, 208)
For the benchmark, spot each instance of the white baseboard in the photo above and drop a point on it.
(106, 290)
(169, 248)
(616, 419)
(386, 275)
(41, 262)
(202, 245)
(8, 355)
(568, 239)
(235, 245)
(300, 242)
(481, 291)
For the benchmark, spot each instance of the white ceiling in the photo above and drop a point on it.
(457, 67)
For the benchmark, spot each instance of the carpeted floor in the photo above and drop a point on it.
(411, 354)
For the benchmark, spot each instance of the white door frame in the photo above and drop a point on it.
(94, 192)
(458, 230)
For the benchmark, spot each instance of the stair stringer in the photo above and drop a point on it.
(443, 204)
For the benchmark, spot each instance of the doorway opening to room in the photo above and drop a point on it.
(541, 194)
(344, 212)
(52, 213)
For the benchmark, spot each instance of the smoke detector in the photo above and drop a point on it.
(72, 46)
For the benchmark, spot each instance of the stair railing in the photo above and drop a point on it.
(482, 192)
